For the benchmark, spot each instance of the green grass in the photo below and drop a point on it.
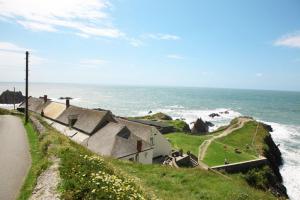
(186, 142)
(216, 155)
(240, 139)
(4, 111)
(39, 162)
(179, 125)
(193, 184)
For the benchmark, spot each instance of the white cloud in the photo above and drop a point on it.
(7, 46)
(161, 36)
(85, 17)
(35, 26)
(134, 42)
(290, 40)
(175, 56)
(259, 74)
(12, 55)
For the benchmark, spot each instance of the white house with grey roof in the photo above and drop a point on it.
(100, 132)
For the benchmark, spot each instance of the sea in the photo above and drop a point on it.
(280, 109)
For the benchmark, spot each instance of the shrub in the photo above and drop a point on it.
(88, 177)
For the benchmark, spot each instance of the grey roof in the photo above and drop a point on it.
(151, 123)
(35, 104)
(115, 140)
(88, 121)
(141, 130)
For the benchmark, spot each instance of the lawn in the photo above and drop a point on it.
(242, 138)
(193, 184)
(216, 154)
(186, 142)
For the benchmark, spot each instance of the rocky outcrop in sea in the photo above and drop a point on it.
(10, 97)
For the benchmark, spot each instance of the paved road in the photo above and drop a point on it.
(14, 156)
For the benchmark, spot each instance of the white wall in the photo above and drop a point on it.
(162, 146)
(144, 157)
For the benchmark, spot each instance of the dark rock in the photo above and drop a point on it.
(236, 150)
(200, 127)
(150, 112)
(273, 154)
(62, 98)
(212, 115)
(225, 112)
(160, 116)
(268, 127)
(10, 97)
(209, 124)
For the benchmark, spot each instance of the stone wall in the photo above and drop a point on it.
(242, 166)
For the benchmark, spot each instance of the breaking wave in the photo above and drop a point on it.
(189, 116)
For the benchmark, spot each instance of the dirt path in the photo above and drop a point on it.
(14, 156)
(203, 147)
(47, 183)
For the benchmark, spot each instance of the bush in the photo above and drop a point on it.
(88, 177)
(259, 178)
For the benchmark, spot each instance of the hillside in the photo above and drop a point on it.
(85, 175)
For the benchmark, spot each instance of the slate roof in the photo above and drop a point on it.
(115, 140)
(141, 130)
(151, 123)
(54, 109)
(35, 104)
(88, 121)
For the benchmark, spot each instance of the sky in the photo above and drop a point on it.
(251, 44)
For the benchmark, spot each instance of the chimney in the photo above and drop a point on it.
(45, 98)
(67, 103)
(139, 145)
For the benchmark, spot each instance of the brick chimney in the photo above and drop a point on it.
(67, 103)
(45, 98)
(139, 145)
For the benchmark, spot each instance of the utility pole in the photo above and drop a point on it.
(26, 89)
(14, 98)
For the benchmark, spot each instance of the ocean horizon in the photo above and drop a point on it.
(280, 109)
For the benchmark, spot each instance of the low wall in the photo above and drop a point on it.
(242, 166)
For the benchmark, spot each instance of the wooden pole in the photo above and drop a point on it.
(26, 89)
(14, 98)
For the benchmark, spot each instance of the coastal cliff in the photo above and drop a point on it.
(269, 177)
(273, 154)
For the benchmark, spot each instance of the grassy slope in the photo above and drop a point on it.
(216, 155)
(193, 184)
(167, 183)
(186, 142)
(241, 139)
